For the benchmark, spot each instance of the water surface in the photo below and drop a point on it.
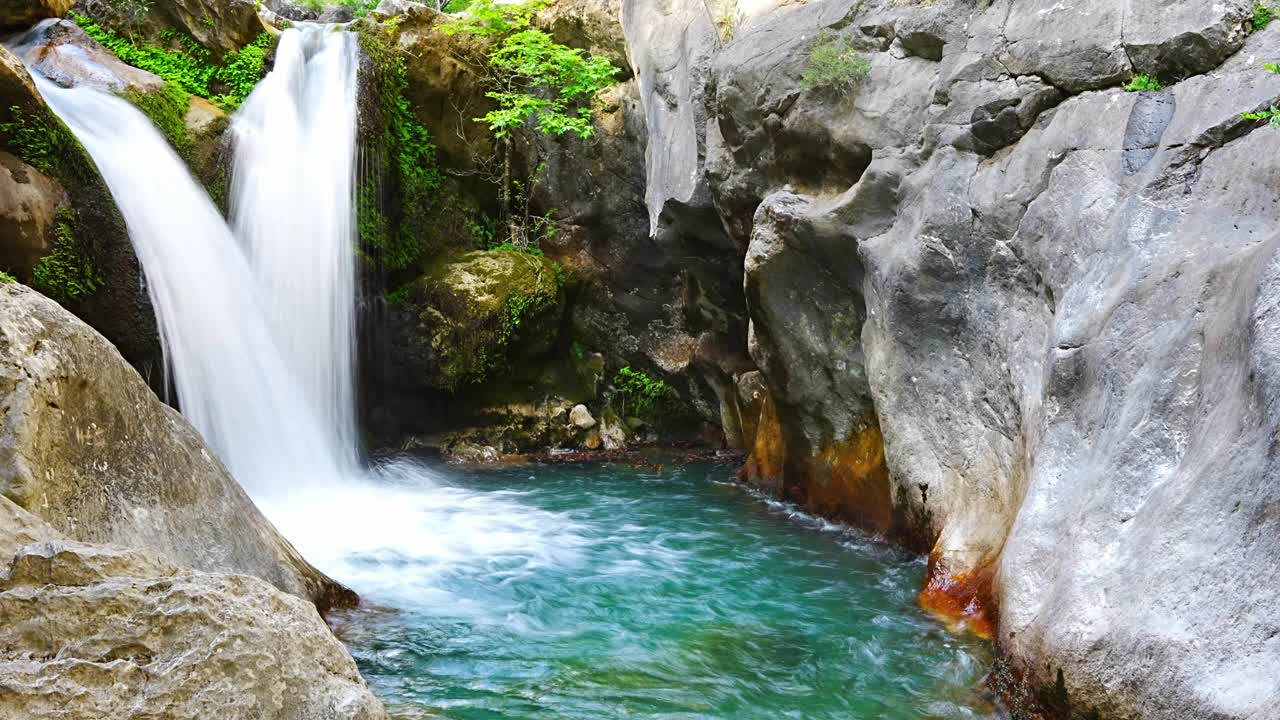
(610, 592)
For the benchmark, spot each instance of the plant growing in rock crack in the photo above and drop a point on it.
(1143, 83)
(1272, 114)
(537, 83)
(642, 395)
(834, 64)
(1263, 14)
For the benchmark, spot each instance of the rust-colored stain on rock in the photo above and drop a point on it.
(963, 600)
(849, 480)
(766, 465)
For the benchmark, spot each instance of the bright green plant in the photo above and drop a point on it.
(6, 278)
(1143, 83)
(1272, 114)
(359, 8)
(397, 240)
(41, 140)
(642, 395)
(1263, 14)
(834, 64)
(190, 68)
(536, 83)
(65, 274)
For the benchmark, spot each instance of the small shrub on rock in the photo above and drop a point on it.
(834, 64)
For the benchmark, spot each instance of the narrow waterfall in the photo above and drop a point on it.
(292, 210)
(258, 327)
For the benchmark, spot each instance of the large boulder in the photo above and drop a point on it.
(99, 632)
(65, 54)
(220, 26)
(87, 447)
(22, 14)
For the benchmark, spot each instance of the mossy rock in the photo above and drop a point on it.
(483, 311)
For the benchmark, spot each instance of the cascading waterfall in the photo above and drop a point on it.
(292, 209)
(258, 325)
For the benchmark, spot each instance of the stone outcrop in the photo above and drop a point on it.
(29, 204)
(22, 14)
(63, 53)
(1006, 311)
(89, 632)
(88, 448)
(218, 25)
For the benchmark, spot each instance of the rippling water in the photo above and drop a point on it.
(608, 592)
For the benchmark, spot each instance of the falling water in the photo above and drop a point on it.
(291, 208)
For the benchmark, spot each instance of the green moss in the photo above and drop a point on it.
(167, 110)
(191, 67)
(488, 310)
(45, 143)
(6, 278)
(66, 274)
(396, 230)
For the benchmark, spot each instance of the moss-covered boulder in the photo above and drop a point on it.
(476, 314)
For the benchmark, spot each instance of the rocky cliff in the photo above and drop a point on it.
(1009, 312)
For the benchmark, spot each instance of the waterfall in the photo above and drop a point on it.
(292, 209)
(257, 324)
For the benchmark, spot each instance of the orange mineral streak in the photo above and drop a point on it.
(848, 480)
(767, 463)
(962, 600)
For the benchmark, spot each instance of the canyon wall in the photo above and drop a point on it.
(1009, 312)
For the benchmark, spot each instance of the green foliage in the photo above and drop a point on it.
(536, 252)
(1143, 83)
(1270, 115)
(65, 274)
(6, 278)
(43, 142)
(416, 177)
(536, 79)
(642, 395)
(834, 64)
(519, 309)
(191, 68)
(1263, 14)
(401, 295)
(167, 110)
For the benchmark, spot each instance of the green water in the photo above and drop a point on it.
(611, 592)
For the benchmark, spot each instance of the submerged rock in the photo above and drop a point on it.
(87, 447)
(99, 632)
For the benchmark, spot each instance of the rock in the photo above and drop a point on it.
(103, 632)
(476, 312)
(592, 441)
(29, 204)
(87, 447)
(62, 52)
(336, 15)
(218, 25)
(22, 14)
(613, 432)
(396, 8)
(17, 90)
(580, 417)
(471, 454)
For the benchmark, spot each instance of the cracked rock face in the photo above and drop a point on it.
(86, 446)
(93, 632)
(1053, 300)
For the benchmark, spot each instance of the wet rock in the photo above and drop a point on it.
(580, 417)
(87, 447)
(93, 631)
(63, 53)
